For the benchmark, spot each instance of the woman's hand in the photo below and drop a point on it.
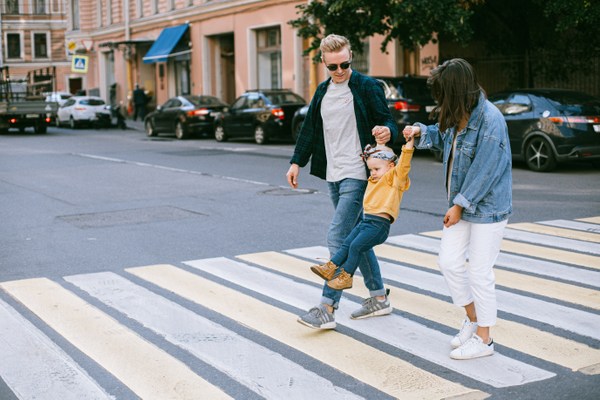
(411, 131)
(453, 215)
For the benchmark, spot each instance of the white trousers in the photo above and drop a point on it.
(474, 282)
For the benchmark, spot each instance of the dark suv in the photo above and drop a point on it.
(260, 114)
(409, 100)
(408, 97)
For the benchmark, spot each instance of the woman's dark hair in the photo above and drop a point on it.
(455, 88)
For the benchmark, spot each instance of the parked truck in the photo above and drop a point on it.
(23, 103)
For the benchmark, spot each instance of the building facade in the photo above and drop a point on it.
(216, 47)
(32, 36)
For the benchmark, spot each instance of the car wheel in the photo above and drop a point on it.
(259, 135)
(72, 123)
(149, 126)
(539, 155)
(296, 130)
(220, 135)
(180, 131)
(40, 128)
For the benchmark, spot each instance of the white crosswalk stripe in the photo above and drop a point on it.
(59, 376)
(407, 335)
(549, 317)
(241, 358)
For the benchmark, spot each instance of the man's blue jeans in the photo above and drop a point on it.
(347, 197)
(370, 232)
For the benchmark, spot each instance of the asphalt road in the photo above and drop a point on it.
(81, 202)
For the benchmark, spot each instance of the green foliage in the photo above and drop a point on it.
(504, 26)
(412, 22)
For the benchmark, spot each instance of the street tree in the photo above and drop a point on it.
(540, 29)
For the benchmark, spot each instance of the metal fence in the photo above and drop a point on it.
(544, 70)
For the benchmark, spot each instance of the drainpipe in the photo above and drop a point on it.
(128, 48)
(313, 70)
(1, 35)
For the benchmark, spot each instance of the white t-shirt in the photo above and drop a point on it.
(342, 144)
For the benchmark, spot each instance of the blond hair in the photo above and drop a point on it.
(334, 43)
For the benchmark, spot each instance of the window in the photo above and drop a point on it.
(40, 45)
(360, 61)
(268, 52)
(55, 6)
(39, 6)
(13, 45)
(12, 6)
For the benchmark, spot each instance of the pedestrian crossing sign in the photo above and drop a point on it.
(79, 64)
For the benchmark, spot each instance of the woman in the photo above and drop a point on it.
(473, 136)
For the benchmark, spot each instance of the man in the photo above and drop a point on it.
(347, 112)
(139, 103)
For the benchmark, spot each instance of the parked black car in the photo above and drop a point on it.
(299, 117)
(185, 116)
(259, 114)
(408, 97)
(548, 126)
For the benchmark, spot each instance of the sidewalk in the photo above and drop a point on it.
(137, 125)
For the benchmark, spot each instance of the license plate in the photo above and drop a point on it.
(429, 108)
(31, 116)
(597, 128)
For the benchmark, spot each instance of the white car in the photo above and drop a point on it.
(58, 97)
(84, 110)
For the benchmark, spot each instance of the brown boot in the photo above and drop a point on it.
(341, 282)
(325, 271)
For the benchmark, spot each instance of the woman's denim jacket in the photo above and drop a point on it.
(482, 170)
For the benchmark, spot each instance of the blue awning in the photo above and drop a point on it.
(164, 46)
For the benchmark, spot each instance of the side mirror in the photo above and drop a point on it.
(159, 108)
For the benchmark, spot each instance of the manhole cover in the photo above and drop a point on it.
(287, 192)
(128, 217)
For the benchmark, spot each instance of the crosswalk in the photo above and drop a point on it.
(223, 328)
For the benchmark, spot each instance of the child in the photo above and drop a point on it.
(381, 205)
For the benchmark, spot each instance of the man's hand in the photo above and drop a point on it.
(453, 215)
(292, 176)
(382, 134)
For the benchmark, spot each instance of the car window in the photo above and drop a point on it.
(516, 103)
(239, 103)
(175, 103)
(285, 98)
(205, 101)
(255, 102)
(92, 102)
(410, 88)
(69, 103)
(574, 103)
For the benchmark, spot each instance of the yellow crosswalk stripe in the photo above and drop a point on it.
(371, 366)
(148, 371)
(532, 284)
(523, 338)
(557, 231)
(546, 253)
(592, 220)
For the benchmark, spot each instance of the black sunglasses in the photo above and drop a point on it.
(334, 67)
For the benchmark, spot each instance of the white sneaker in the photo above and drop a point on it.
(467, 330)
(473, 348)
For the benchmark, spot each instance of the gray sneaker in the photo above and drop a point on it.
(372, 307)
(318, 318)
